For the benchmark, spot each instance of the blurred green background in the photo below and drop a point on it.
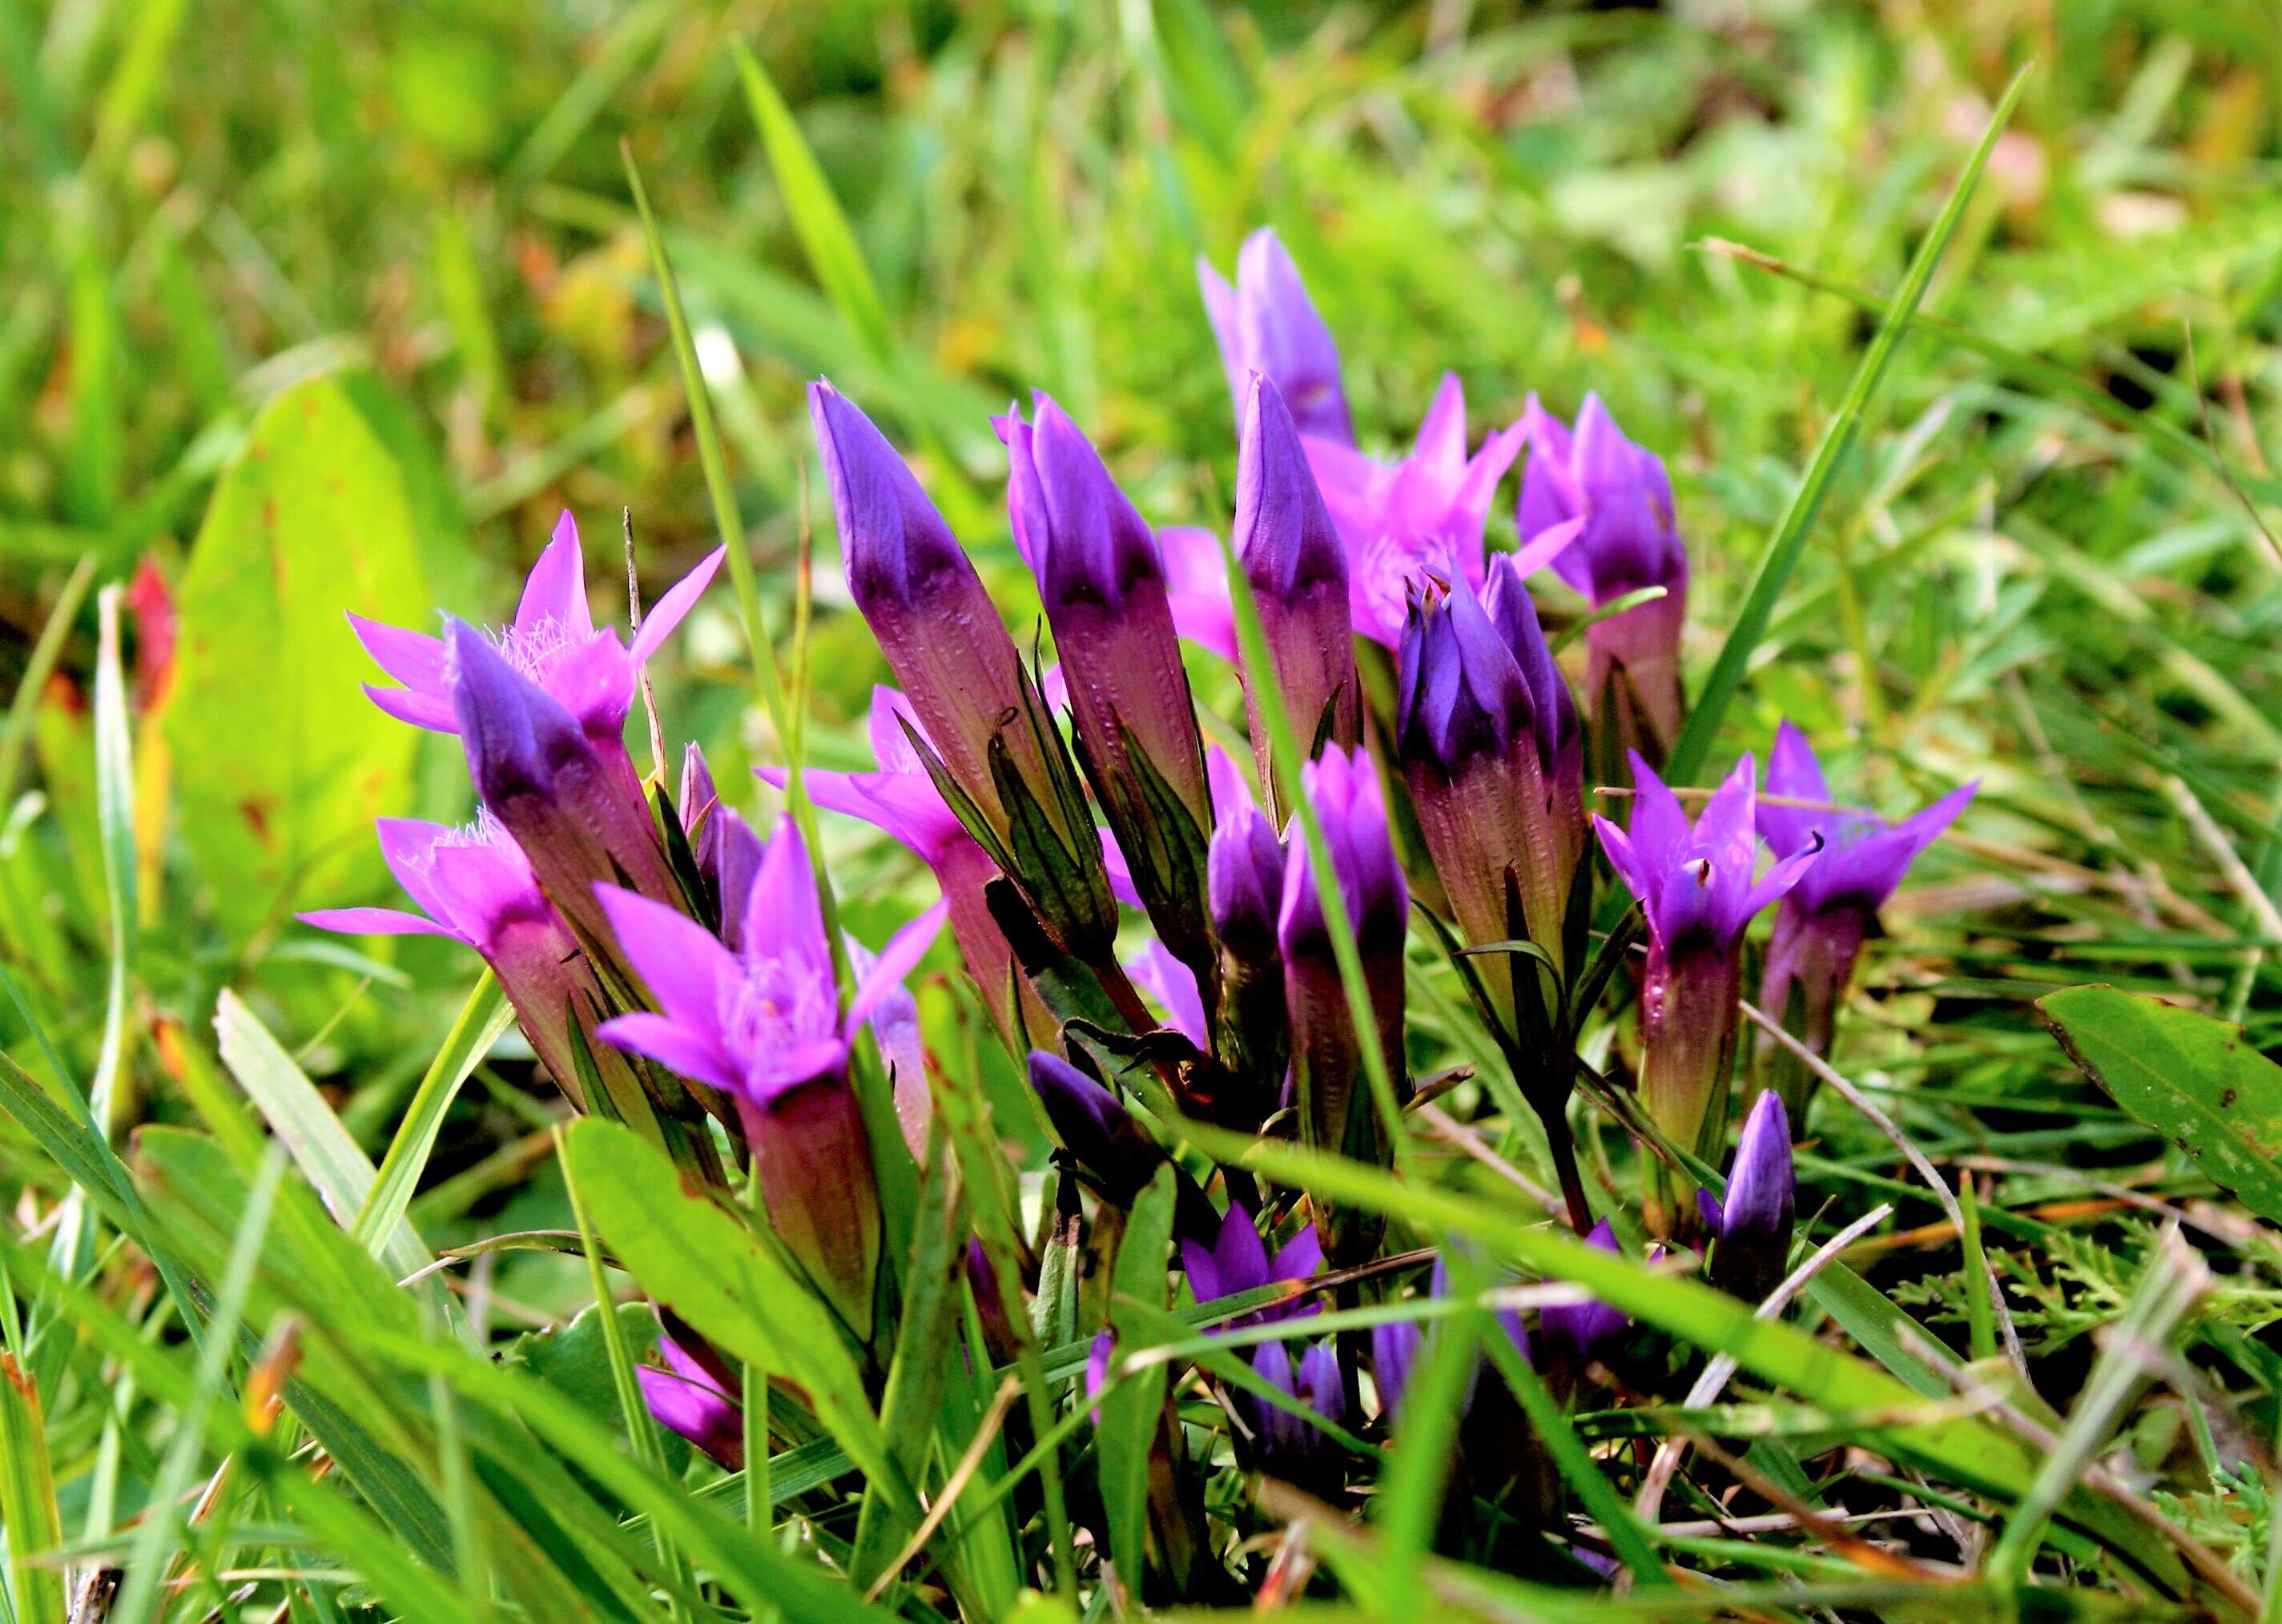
(372, 272)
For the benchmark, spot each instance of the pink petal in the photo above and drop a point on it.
(677, 958)
(413, 658)
(420, 709)
(674, 1045)
(557, 588)
(372, 922)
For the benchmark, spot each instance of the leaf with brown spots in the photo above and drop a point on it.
(282, 762)
(2197, 1081)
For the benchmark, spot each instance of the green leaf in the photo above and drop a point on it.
(1130, 1414)
(483, 1021)
(27, 1500)
(321, 1147)
(280, 762)
(708, 1266)
(2195, 1080)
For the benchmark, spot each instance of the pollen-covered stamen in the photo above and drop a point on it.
(776, 1014)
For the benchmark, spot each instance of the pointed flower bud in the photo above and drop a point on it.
(1698, 894)
(684, 1399)
(1336, 1112)
(1820, 926)
(571, 800)
(1266, 324)
(552, 640)
(1426, 512)
(1615, 500)
(1482, 772)
(1111, 1150)
(1752, 1228)
(1245, 878)
(938, 628)
(1298, 571)
(1103, 583)
(763, 1025)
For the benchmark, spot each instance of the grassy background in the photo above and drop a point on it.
(2034, 572)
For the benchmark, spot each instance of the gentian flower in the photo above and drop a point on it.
(684, 1399)
(552, 640)
(1587, 1331)
(1289, 1446)
(1102, 584)
(1614, 500)
(1425, 512)
(1297, 572)
(1820, 926)
(1237, 1261)
(1097, 1369)
(1266, 325)
(1110, 1150)
(1336, 1111)
(765, 1025)
(901, 799)
(1243, 871)
(980, 713)
(1752, 1228)
(1489, 740)
(474, 885)
(1396, 1348)
(1195, 588)
(568, 796)
(1697, 896)
(727, 851)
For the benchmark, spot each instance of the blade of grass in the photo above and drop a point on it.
(483, 1020)
(33, 682)
(27, 1499)
(1790, 533)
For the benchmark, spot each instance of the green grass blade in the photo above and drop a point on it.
(1783, 547)
(27, 1499)
(297, 1113)
(482, 1022)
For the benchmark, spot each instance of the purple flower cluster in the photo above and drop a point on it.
(1143, 921)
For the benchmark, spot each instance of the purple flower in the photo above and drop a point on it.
(1489, 741)
(553, 641)
(474, 885)
(1425, 512)
(1102, 1140)
(1173, 985)
(684, 1399)
(1585, 1331)
(1103, 583)
(1336, 1112)
(571, 798)
(1394, 1348)
(901, 801)
(1697, 895)
(1291, 1446)
(1195, 588)
(763, 1025)
(1752, 1227)
(1097, 1369)
(727, 851)
(938, 628)
(1614, 500)
(1821, 924)
(1237, 1261)
(1297, 572)
(1266, 324)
